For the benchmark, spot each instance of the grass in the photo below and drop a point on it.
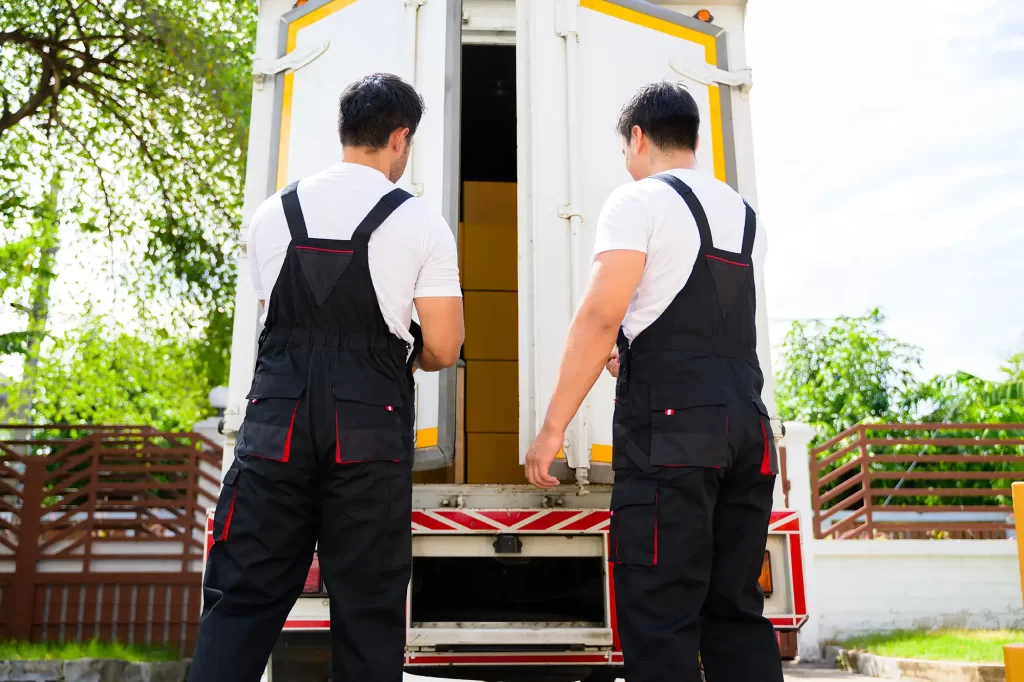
(972, 646)
(66, 651)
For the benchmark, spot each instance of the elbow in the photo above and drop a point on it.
(435, 360)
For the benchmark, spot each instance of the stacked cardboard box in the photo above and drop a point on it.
(489, 264)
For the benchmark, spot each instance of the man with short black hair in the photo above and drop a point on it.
(679, 257)
(324, 456)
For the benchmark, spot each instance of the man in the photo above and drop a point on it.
(678, 256)
(324, 456)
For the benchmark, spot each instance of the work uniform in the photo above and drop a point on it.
(323, 457)
(695, 466)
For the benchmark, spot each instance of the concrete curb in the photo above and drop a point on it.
(92, 670)
(915, 669)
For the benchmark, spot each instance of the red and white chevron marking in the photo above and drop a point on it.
(510, 521)
(784, 521)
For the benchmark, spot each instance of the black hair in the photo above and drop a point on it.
(375, 106)
(666, 112)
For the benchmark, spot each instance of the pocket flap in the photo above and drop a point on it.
(682, 396)
(761, 407)
(633, 492)
(269, 386)
(231, 476)
(383, 393)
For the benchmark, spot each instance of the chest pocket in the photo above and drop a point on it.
(266, 432)
(689, 427)
(368, 423)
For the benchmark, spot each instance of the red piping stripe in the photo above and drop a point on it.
(288, 438)
(231, 513)
(766, 461)
(730, 262)
(314, 248)
(655, 530)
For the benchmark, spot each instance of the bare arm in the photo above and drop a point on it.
(443, 331)
(613, 281)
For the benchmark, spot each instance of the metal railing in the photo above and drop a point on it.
(910, 481)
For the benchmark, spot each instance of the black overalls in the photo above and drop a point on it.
(324, 455)
(695, 469)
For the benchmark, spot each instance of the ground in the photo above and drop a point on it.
(793, 674)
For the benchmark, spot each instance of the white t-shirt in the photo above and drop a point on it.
(649, 216)
(412, 254)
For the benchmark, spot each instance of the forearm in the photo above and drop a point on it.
(585, 356)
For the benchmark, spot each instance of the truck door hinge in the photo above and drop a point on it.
(293, 61)
(703, 72)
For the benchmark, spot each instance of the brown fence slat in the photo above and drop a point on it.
(83, 474)
(903, 453)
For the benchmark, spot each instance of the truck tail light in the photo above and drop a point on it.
(313, 582)
(766, 575)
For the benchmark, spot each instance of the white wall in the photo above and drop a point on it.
(876, 585)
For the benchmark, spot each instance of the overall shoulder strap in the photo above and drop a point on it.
(293, 211)
(380, 212)
(749, 229)
(701, 218)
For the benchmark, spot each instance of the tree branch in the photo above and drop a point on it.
(33, 104)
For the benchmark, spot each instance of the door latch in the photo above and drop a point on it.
(293, 61)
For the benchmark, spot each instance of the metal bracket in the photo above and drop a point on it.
(778, 429)
(566, 213)
(293, 61)
(703, 72)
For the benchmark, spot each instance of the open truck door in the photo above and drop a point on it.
(583, 61)
(311, 53)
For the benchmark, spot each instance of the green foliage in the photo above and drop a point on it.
(144, 104)
(97, 376)
(67, 651)
(835, 375)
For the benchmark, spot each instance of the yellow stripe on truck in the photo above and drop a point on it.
(710, 45)
(426, 438)
(288, 87)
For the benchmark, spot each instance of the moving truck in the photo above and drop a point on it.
(518, 151)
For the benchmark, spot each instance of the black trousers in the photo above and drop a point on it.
(269, 519)
(689, 543)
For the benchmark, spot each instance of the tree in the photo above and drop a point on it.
(126, 121)
(95, 375)
(835, 375)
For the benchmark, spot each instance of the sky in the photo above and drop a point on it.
(889, 148)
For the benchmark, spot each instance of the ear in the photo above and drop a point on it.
(395, 142)
(638, 140)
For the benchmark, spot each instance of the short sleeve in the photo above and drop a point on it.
(439, 273)
(250, 248)
(623, 223)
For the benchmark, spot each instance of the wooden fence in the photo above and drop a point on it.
(917, 481)
(101, 532)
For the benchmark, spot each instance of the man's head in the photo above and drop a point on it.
(658, 129)
(377, 118)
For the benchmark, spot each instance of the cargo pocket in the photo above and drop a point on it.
(770, 455)
(689, 428)
(266, 431)
(634, 522)
(368, 423)
(225, 509)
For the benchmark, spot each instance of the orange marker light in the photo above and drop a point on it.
(704, 15)
(766, 575)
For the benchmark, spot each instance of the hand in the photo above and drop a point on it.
(542, 453)
(613, 362)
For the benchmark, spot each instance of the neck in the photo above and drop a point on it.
(366, 157)
(670, 161)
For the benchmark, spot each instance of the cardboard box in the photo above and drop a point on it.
(491, 203)
(494, 458)
(492, 396)
(492, 325)
(492, 261)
